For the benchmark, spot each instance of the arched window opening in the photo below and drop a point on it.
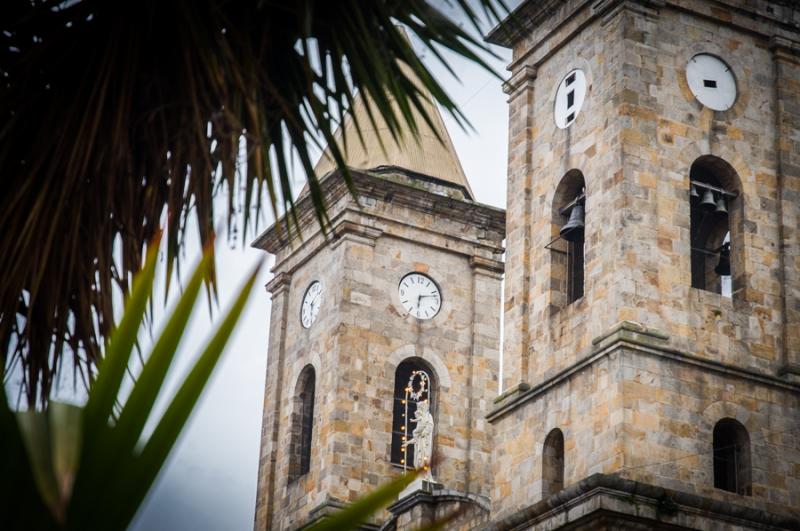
(302, 424)
(732, 457)
(553, 463)
(413, 383)
(567, 248)
(715, 216)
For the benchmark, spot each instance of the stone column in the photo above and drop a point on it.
(483, 366)
(518, 227)
(265, 493)
(786, 54)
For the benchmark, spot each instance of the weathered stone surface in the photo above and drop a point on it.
(630, 400)
(362, 334)
(637, 372)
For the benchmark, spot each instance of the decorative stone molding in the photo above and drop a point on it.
(520, 81)
(432, 499)
(609, 499)
(608, 9)
(347, 230)
(487, 266)
(280, 282)
(785, 49)
(642, 340)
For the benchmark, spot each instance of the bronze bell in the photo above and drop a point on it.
(572, 231)
(708, 204)
(693, 192)
(724, 266)
(721, 206)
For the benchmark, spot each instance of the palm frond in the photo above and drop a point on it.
(117, 115)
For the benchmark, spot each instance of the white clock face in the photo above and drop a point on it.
(419, 296)
(569, 98)
(312, 301)
(711, 81)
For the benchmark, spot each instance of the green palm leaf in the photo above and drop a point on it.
(113, 114)
(88, 470)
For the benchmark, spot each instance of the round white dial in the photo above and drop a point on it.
(569, 98)
(711, 81)
(420, 296)
(312, 301)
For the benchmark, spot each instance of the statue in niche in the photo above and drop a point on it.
(422, 439)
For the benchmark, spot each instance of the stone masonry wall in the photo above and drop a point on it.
(635, 139)
(586, 407)
(644, 410)
(541, 337)
(362, 335)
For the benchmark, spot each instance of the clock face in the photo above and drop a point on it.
(569, 98)
(711, 81)
(419, 296)
(312, 301)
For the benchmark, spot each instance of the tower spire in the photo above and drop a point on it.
(430, 152)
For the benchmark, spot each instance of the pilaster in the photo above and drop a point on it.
(520, 89)
(786, 54)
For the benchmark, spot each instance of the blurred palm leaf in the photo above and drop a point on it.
(91, 468)
(117, 115)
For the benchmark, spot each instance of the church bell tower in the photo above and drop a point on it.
(393, 313)
(652, 293)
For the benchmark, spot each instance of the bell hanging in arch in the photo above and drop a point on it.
(723, 268)
(572, 231)
(721, 208)
(693, 192)
(708, 203)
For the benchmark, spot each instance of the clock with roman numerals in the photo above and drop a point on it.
(420, 296)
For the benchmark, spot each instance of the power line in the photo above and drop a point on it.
(752, 440)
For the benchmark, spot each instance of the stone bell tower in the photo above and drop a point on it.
(399, 304)
(652, 296)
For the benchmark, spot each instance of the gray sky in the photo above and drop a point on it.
(209, 482)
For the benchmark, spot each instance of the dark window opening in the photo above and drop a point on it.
(574, 271)
(570, 117)
(710, 83)
(405, 405)
(710, 235)
(568, 246)
(570, 79)
(553, 463)
(302, 424)
(570, 98)
(732, 457)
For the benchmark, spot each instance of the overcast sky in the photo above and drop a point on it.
(210, 481)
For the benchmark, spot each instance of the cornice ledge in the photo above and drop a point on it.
(487, 266)
(508, 393)
(280, 282)
(630, 331)
(785, 48)
(327, 508)
(643, 340)
(520, 81)
(436, 493)
(348, 230)
(644, 494)
(792, 371)
(608, 9)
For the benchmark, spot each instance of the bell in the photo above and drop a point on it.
(724, 266)
(693, 192)
(708, 204)
(721, 206)
(572, 231)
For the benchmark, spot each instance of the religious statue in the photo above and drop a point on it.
(422, 439)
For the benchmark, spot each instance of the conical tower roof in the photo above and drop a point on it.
(427, 154)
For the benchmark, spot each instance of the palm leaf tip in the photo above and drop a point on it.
(119, 112)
